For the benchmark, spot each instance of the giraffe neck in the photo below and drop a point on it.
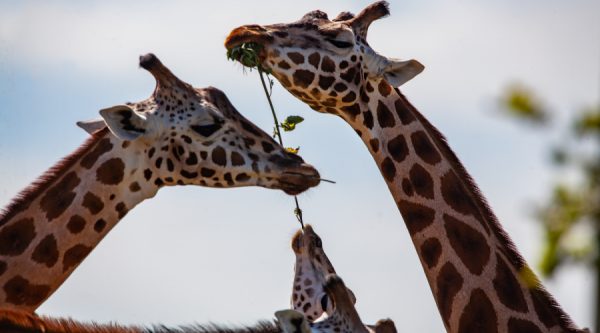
(478, 279)
(24, 322)
(55, 223)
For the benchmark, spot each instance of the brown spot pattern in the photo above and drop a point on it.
(448, 284)
(60, 196)
(218, 156)
(405, 115)
(384, 116)
(388, 169)
(421, 181)
(3, 267)
(205, 172)
(416, 216)
(15, 238)
(543, 308)
(351, 110)
(46, 252)
(93, 203)
(76, 224)
(508, 288)
(296, 57)
(325, 81)
(314, 59)
(74, 256)
(111, 171)
(468, 243)
(522, 326)
(479, 315)
(242, 177)
(20, 292)
(237, 159)
(424, 148)
(327, 65)
(283, 65)
(384, 88)
(101, 147)
(407, 187)
(303, 78)
(368, 119)
(431, 249)
(398, 148)
(99, 225)
(455, 195)
(134, 187)
(121, 209)
(374, 143)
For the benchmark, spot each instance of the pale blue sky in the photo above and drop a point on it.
(196, 254)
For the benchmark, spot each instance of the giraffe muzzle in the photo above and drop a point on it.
(295, 180)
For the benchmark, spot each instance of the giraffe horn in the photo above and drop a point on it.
(164, 77)
(375, 11)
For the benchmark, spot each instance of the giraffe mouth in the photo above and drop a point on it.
(249, 34)
(298, 181)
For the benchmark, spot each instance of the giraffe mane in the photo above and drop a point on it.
(539, 292)
(22, 200)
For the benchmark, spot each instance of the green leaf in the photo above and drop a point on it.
(247, 54)
(289, 124)
(521, 103)
(588, 122)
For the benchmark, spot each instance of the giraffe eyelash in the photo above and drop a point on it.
(206, 130)
(340, 44)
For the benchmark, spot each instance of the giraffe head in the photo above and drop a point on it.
(328, 64)
(344, 319)
(195, 136)
(311, 269)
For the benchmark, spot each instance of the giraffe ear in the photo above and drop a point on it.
(291, 321)
(123, 122)
(92, 126)
(399, 72)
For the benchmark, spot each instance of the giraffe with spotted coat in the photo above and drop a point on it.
(180, 135)
(310, 272)
(479, 280)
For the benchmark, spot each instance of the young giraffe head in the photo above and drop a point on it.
(344, 319)
(328, 64)
(311, 269)
(178, 136)
(195, 136)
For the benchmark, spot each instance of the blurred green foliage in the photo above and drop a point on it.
(571, 216)
(521, 103)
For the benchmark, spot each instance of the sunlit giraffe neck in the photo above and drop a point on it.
(478, 279)
(178, 136)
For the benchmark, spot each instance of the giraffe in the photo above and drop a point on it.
(310, 271)
(479, 280)
(180, 135)
(305, 243)
(343, 319)
(20, 321)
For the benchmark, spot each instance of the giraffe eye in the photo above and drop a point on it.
(318, 243)
(207, 130)
(339, 43)
(324, 301)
